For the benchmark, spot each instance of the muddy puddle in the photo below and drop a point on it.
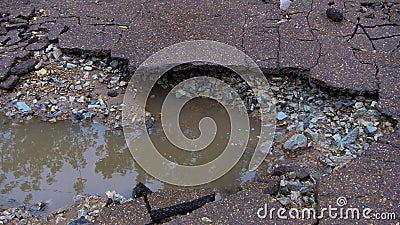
(52, 163)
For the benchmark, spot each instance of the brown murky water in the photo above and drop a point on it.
(54, 162)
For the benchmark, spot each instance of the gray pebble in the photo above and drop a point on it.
(71, 65)
(284, 200)
(295, 142)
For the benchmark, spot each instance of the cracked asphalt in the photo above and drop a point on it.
(359, 54)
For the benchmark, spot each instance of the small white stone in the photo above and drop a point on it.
(122, 83)
(88, 68)
(284, 4)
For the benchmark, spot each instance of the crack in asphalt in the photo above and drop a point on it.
(243, 33)
(279, 49)
(385, 37)
(120, 35)
(98, 18)
(378, 81)
(383, 25)
(243, 29)
(397, 47)
(106, 24)
(315, 37)
(358, 24)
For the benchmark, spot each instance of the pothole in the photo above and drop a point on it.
(318, 130)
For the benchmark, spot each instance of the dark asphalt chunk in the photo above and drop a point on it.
(140, 190)
(334, 14)
(9, 83)
(38, 45)
(24, 67)
(5, 67)
(159, 215)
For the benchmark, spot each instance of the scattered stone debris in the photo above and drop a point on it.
(81, 219)
(333, 127)
(14, 215)
(337, 125)
(87, 208)
(63, 87)
(23, 214)
(293, 186)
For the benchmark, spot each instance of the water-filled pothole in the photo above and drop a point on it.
(42, 161)
(53, 162)
(319, 130)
